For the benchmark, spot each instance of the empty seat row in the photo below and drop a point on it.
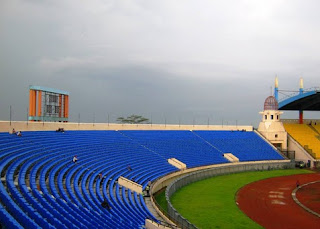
(42, 187)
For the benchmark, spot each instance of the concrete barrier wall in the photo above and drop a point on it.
(130, 184)
(216, 171)
(176, 163)
(6, 126)
(230, 157)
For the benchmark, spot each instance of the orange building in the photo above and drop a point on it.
(47, 104)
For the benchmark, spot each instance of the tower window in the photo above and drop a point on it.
(265, 117)
(277, 117)
(271, 117)
(275, 135)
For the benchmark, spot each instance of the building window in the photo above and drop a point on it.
(57, 109)
(265, 117)
(53, 98)
(277, 117)
(49, 109)
(271, 117)
(276, 136)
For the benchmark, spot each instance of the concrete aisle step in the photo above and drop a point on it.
(151, 209)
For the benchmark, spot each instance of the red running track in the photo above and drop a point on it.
(309, 196)
(269, 202)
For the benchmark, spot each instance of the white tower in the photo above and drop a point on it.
(270, 126)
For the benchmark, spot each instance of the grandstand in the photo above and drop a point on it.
(307, 135)
(182, 145)
(247, 146)
(316, 127)
(41, 186)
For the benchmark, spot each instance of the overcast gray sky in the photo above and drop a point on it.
(175, 59)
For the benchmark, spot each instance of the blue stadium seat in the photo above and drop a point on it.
(41, 187)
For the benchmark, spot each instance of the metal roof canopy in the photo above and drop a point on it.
(306, 101)
(52, 90)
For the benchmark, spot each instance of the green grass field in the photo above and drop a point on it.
(211, 203)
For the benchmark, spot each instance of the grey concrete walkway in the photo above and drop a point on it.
(151, 209)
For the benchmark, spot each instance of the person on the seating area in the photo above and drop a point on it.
(148, 188)
(75, 159)
(105, 204)
(60, 130)
(19, 133)
(13, 131)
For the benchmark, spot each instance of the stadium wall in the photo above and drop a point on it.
(7, 126)
(216, 171)
(296, 121)
(300, 153)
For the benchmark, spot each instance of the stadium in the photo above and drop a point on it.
(60, 174)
